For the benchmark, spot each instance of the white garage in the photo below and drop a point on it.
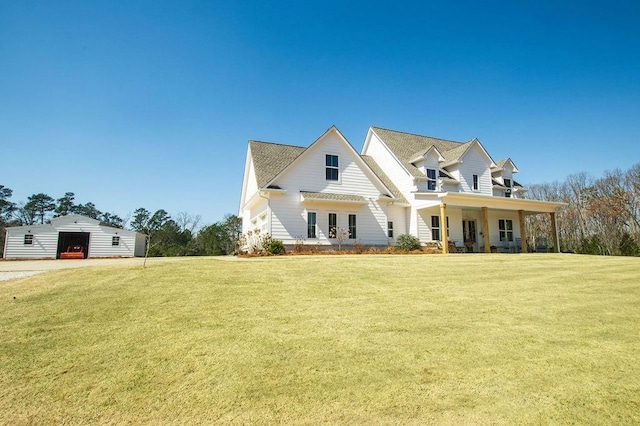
(71, 237)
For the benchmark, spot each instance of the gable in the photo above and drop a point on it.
(308, 171)
(459, 154)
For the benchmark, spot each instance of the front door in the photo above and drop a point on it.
(470, 235)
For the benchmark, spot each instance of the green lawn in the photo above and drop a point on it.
(370, 339)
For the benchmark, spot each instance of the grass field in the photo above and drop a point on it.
(370, 339)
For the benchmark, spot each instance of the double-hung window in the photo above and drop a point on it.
(431, 179)
(505, 226)
(352, 226)
(28, 239)
(115, 240)
(435, 228)
(476, 183)
(311, 225)
(390, 229)
(332, 169)
(436, 235)
(507, 191)
(333, 225)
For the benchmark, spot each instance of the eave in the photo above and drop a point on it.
(261, 194)
(499, 203)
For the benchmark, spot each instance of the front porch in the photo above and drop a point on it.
(474, 223)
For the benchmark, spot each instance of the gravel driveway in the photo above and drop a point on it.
(11, 269)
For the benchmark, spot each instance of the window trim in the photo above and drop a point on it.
(28, 239)
(329, 166)
(432, 182)
(333, 233)
(435, 228)
(508, 183)
(353, 227)
(312, 229)
(504, 231)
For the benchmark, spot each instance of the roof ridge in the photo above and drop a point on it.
(415, 134)
(278, 143)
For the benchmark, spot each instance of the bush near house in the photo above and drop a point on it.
(407, 242)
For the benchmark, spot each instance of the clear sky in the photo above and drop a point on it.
(151, 103)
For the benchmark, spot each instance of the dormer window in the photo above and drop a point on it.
(431, 179)
(507, 191)
(331, 162)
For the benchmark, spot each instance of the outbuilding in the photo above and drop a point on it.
(71, 236)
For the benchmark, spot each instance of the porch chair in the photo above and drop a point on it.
(541, 245)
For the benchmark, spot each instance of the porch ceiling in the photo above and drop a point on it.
(499, 203)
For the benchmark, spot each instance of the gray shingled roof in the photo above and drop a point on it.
(384, 178)
(269, 159)
(500, 164)
(329, 196)
(405, 146)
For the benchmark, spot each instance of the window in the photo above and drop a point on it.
(476, 183)
(431, 179)
(435, 228)
(311, 225)
(28, 239)
(352, 226)
(390, 229)
(331, 161)
(333, 225)
(115, 240)
(448, 233)
(507, 192)
(505, 226)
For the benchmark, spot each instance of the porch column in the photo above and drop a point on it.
(485, 229)
(523, 232)
(443, 228)
(554, 233)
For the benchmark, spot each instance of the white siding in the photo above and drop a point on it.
(252, 184)
(424, 224)
(474, 163)
(45, 241)
(289, 220)
(455, 225)
(387, 162)
(289, 213)
(399, 216)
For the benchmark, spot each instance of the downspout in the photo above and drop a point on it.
(6, 239)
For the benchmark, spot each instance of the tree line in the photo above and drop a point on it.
(602, 215)
(181, 235)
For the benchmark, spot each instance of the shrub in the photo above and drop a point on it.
(298, 246)
(628, 247)
(407, 242)
(275, 247)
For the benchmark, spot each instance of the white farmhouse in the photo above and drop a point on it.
(83, 236)
(449, 193)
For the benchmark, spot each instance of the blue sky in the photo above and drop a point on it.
(151, 104)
